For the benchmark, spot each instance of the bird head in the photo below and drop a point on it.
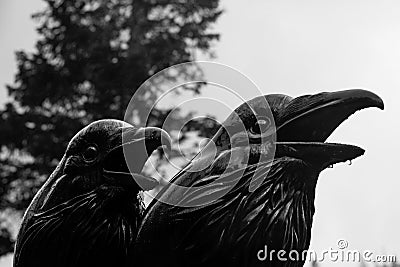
(92, 199)
(249, 125)
(280, 206)
(296, 127)
(106, 152)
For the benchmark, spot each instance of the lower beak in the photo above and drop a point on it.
(320, 155)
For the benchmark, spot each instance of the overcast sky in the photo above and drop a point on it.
(300, 47)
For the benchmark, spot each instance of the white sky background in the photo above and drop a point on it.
(301, 47)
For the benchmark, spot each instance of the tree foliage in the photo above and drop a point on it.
(91, 57)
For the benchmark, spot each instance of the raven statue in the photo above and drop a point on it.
(88, 211)
(235, 228)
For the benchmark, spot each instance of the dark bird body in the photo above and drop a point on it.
(89, 210)
(235, 228)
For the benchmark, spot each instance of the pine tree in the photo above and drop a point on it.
(91, 57)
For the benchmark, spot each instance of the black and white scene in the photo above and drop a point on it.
(199, 133)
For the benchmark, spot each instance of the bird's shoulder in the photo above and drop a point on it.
(77, 232)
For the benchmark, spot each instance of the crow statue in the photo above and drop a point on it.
(88, 211)
(235, 228)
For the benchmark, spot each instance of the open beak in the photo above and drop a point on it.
(124, 163)
(305, 122)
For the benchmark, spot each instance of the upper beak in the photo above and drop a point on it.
(127, 159)
(311, 119)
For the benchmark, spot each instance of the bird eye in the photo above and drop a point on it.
(90, 153)
(261, 126)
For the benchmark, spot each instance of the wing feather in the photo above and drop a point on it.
(76, 233)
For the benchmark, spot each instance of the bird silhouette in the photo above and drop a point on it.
(88, 211)
(210, 215)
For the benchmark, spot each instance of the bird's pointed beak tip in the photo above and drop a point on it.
(371, 99)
